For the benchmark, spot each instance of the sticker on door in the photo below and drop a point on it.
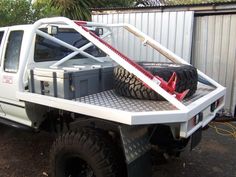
(7, 79)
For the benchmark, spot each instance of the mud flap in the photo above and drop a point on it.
(136, 148)
(196, 138)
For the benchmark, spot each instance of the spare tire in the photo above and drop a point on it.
(128, 85)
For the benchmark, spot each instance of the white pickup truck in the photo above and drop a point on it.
(65, 76)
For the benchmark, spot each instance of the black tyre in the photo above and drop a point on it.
(84, 153)
(127, 84)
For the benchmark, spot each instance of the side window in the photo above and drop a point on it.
(1, 36)
(12, 54)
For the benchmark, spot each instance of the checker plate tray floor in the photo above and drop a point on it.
(111, 100)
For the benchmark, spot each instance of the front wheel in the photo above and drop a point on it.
(84, 153)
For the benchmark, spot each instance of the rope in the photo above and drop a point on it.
(230, 129)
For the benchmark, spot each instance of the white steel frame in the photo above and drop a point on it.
(182, 113)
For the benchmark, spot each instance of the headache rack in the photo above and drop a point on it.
(188, 115)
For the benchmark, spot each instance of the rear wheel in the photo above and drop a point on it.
(84, 153)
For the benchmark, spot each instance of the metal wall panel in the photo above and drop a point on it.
(171, 29)
(214, 49)
(214, 44)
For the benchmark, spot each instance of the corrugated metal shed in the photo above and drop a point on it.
(214, 49)
(214, 43)
(171, 29)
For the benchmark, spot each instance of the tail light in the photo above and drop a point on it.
(216, 104)
(195, 120)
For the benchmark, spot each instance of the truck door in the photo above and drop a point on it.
(12, 108)
(10, 63)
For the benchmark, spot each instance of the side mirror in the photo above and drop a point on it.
(52, 30)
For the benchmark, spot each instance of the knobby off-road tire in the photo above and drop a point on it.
(84, 153)
(128, 85)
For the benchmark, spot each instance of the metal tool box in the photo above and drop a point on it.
(70, 83)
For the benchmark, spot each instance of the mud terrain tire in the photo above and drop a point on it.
(128, 85)
(84, 153)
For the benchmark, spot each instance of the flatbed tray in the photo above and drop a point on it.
(107, 105)
(110, 99)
